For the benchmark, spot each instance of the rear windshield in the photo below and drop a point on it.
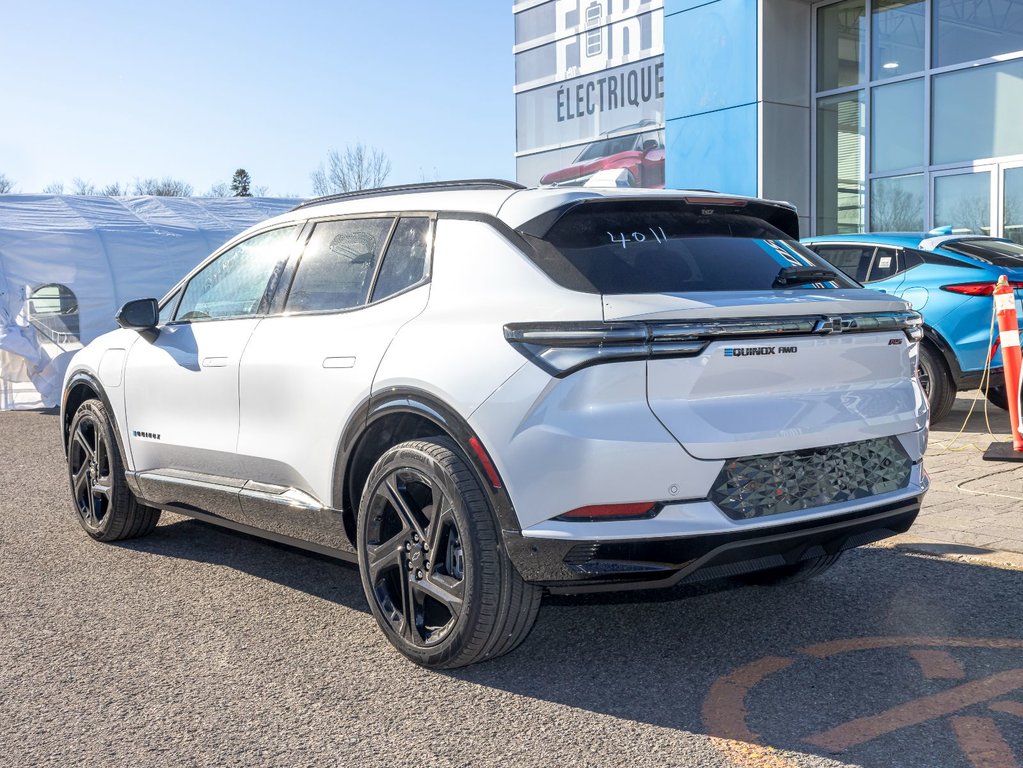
(670, 247)
(1001, 253)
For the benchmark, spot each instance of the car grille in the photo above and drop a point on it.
(772, 484)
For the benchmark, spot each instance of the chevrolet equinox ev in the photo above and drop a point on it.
(480, 392)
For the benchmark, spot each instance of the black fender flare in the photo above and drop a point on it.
(84, 377)
(420, 403)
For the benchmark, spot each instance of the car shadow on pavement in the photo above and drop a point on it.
(793, 667)
(317, 575)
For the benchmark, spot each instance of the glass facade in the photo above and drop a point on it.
(919, 105)
(589, 91)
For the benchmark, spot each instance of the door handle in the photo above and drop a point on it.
(339, 362)
(214, 362)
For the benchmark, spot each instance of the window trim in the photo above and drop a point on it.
(279, 308)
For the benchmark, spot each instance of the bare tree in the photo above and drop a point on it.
(6, 184)
(260, 191)
(220, 189)
(893, 208)
(80, 186)
(56, 188)
(115, 190)
(358, 167)
(165, 187)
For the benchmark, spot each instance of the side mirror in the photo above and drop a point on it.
(139, 315)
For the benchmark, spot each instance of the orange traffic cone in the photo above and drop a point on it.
(1008, 337)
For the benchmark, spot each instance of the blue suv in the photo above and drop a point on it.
(949, 278)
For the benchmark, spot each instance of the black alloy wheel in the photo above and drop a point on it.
(105, 505)
(89, 466)
(414, 556)
(432, 566)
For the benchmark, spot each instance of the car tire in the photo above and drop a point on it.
(998, 397)
(432, 561)
(936, 382)
(790, 574)
(102, 500)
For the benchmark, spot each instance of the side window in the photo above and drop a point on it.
(405, 260)
(911, 259)
(337, 265)
(886, 265)
(235, 284)
(854, 260)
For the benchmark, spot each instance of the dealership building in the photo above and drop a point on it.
(866, 114)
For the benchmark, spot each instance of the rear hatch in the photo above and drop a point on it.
(743, 358)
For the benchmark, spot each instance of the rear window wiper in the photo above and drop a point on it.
(802, 275)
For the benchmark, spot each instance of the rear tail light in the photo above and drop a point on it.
(563, 348)
(977, 289)
(606, 512)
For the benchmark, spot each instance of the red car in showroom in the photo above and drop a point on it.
(641, 154)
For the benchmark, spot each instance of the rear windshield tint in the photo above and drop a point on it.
(644, 247)
(1001, 253)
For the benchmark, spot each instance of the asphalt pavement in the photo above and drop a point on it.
(197, 646)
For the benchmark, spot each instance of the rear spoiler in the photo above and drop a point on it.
(777, 214)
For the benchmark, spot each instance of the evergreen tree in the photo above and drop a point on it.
(240, 183)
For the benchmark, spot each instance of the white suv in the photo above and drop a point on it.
(479, 392)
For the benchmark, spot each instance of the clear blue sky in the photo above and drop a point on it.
(113, 90)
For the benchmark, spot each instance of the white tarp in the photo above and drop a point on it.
(103, 251)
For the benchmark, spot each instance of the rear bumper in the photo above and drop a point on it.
(590, 566)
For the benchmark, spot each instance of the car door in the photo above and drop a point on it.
(181, 385)
(306, 370)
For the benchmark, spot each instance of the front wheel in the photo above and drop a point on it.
(105, 505)
(432, 562)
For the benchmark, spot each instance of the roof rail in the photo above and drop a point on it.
(401, 189)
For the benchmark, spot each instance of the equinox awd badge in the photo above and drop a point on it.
(748, 351)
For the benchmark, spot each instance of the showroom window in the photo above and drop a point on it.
(916, 122)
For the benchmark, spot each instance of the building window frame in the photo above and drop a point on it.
(928, 169)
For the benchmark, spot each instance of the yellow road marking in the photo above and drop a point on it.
(982, 742)
(918, 711)
(938, 665)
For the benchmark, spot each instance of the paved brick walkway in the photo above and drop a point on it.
(974, 507)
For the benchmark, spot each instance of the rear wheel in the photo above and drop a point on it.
(936, 382)
(432, 563)
(790, 574)
(105, 505)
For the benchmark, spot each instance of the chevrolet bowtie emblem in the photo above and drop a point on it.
(828, 325)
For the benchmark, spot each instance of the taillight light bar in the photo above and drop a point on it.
(977, 289)
(561, 348)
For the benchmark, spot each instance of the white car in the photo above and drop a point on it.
(480, 392)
